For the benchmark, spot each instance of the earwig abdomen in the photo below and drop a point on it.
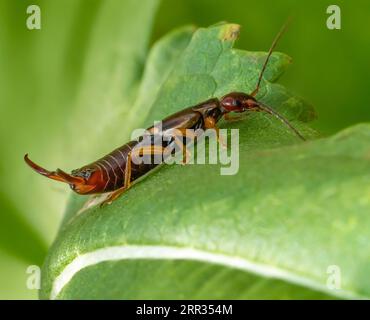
(113, 165)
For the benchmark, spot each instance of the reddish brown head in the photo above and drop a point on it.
(238, 102)
(241, 102)
(87, 180)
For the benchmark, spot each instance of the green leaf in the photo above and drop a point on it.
(56, 85)
(14, 278)
(292, 211)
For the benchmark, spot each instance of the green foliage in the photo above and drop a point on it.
(290, 207)
(59, 85)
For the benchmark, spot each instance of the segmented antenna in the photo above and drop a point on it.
(273, 45)
(263, 106)
(269, 110)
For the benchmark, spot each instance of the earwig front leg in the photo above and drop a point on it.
(229, 118)
(210, 123)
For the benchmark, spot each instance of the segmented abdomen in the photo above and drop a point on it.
(113, 167)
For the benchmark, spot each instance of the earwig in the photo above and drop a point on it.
(115, 172)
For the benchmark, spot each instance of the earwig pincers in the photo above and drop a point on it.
(115, 172)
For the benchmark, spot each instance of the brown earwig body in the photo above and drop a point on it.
(116, 171)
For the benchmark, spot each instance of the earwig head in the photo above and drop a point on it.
(241, 102)
(83, 181)
(237, 102)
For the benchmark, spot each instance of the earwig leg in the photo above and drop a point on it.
(92, 201)
(210, 123)
(114, 195)
(180, 144)
(147, 150)
(229, 118)
(184, 133)
(127, 183)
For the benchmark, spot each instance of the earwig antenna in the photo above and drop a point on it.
(269, 110)
(273, 45)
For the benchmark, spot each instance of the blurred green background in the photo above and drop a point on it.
(40, 81)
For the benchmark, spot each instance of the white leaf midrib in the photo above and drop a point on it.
(136, 252)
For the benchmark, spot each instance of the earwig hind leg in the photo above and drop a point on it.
(146, 150)
(92, 201)
(211, 124)
(127, 183)
(113, 196)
